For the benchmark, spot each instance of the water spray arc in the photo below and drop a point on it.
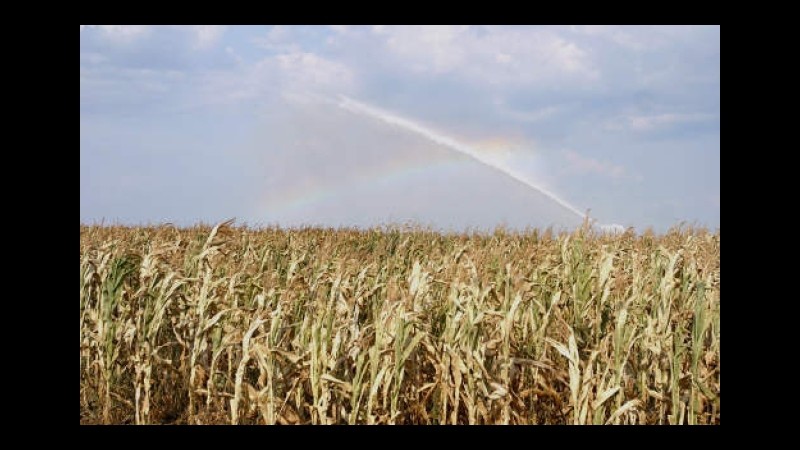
(392, 119)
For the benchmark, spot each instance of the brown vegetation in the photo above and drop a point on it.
(322, 326)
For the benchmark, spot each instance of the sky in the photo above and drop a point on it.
(454, 127)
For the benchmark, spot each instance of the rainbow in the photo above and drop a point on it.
(307, 195)
(304, 196)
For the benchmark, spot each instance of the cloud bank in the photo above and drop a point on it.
(187, 123)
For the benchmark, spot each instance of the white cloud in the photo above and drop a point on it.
(293, 75)
(635, 37)
(279, 38)
(233, 54)
(622, 36)
(207, 35)
(435, 48)
(310, 71)
(124, 87)
(578, 164)
(530, 116)
(503, 58)
(92, 58)
(492, 55)
(342, 29)
(644, 123)
(502, 107)
(121, 33)
(204, 35)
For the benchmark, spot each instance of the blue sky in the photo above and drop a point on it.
(450, 126)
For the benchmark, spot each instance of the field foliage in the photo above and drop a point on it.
(233, 325)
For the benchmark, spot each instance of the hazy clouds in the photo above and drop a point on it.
(204, 123)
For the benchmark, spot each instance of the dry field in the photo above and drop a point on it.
(319, 326)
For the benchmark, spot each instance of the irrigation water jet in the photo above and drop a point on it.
(376, 113)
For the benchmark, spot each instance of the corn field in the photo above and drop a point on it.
(232, 325)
